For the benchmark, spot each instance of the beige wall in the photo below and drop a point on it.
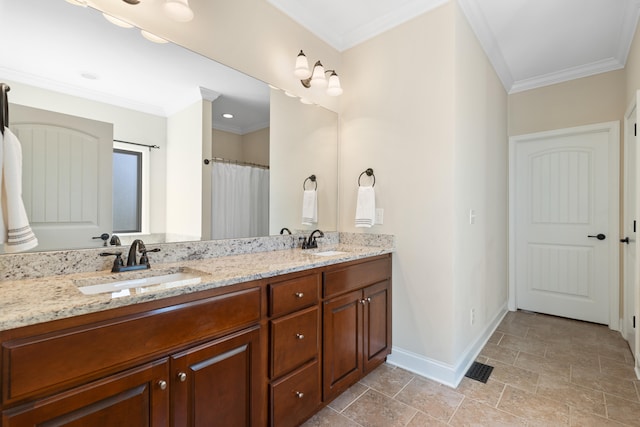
(595, 99)
(434, 131)
(251, 147)
(227, 145)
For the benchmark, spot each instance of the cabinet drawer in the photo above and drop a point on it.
(56, 360)
(295, 397)
(292, 295)
(294, 340)
(356, 276)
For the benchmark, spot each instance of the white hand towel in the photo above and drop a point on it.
(309, 207)
(15, 231)
(366, 207)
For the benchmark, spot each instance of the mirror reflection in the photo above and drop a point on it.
(73, 64)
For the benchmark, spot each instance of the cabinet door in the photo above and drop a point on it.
(217, 383)
(342, 357)
(138, 397)
(377, 324)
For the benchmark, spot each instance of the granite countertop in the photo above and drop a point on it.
(31, 301)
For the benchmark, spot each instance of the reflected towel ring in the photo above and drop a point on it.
(369, 172)
(312, 178)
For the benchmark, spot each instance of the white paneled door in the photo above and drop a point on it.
(564, 213)
(66, 177)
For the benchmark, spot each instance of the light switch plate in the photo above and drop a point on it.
(379, 216)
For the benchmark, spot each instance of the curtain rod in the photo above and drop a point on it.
(236, 162)
(137, 143)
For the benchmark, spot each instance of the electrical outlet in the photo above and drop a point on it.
(379, 216)
(472, 317)
(472, 216)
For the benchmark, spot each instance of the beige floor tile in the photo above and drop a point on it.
(623, 410)
(329, 418)
(515, 329)
(387, 379)
(474, 413)
(616, 369)
(347, 397)
(374, 409)
(482, 359)
(581, 418)
(557, 368)
(574, 357)
(609, 384)
(618, 353)
(531, 346)
(488, 393)
(498, 352)
(495, 337)
(579, 397)
(431, 398)
(517, 377)
(535, 409)
(549, 335)
(424, 420)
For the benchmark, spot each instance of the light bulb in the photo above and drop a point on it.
(334, 88)
(302, 67)
(178, 10)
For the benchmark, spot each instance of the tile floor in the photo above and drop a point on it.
(548, 371)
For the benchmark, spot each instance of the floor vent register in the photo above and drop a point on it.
(479, 372)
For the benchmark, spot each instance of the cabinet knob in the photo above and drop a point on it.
(299, 294)
(362, 301)
(368, 299)
(299, 336)
(182, 376)
(299, 394)
(162, 384)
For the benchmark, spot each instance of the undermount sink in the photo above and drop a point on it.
(328, 253)
(123, 284)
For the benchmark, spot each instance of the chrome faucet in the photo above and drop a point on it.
(310, 243)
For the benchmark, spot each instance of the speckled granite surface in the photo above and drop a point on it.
(27, 301)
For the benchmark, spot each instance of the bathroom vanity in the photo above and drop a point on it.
(270, 350)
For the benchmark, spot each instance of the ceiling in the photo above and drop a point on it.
(531, 43)
(74, 50)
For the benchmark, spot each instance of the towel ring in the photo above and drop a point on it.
(369, 172)
(312, 178)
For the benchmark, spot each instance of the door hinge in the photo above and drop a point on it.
(635, 129)
(634, 322)
(634, 225)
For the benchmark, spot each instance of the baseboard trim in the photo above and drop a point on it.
(444, 373)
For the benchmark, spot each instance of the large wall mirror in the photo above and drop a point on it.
(79, 82)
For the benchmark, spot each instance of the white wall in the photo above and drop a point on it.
(184, 174)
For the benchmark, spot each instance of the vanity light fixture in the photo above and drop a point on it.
(178, 10)
(116, 21)
(317, 77)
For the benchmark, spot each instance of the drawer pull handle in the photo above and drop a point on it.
(299, 394)
(162, 384)
(299, 294)
(299, 336)
(182, 377)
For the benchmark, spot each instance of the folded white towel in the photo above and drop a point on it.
(15, 231)
(366, 207)
(309, 207)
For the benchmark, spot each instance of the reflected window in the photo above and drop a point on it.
(127, 191)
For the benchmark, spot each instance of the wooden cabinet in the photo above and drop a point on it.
(136, 397)
(356, 322)
(294, 368)
(268, 352)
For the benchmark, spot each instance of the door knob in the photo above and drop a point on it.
(599, 236)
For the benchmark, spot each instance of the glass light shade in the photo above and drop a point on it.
(152, 37)
(318, 78)
(116, 21)
(178, 10)
(302, 67)
(306, 101)
(334, 88)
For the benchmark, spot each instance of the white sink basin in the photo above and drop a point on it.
(145, 281)
(328, 253)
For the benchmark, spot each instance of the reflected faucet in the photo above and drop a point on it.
(310, 243)
(285, 229)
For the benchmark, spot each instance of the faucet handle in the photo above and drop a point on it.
(143, 258)
(117, 263)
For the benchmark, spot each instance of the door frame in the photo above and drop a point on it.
(613, 129)
(628, 122)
